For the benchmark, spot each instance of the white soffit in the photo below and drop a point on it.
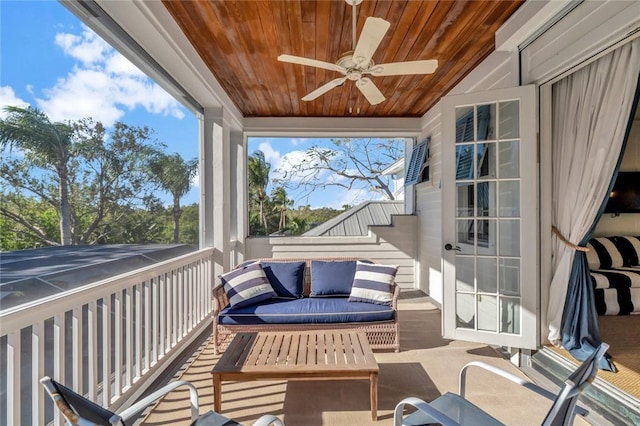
(391, 127)
(529, 20)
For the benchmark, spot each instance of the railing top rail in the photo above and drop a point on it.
(21, 316)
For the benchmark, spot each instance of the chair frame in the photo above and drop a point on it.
(568, 391)
(130, 414)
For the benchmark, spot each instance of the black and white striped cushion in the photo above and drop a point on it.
(630, 248)
(604, 254)
(617, 291)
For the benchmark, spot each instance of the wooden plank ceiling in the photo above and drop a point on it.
(239, 40)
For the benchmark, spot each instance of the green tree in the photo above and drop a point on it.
(91, 179)
(351, 163)
(174, 175)
(18, 232)
(45, 145)
(282, 205)
(298, 225)
(258, 175)
(189, 225)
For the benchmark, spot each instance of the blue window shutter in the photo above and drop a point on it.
(418, 156)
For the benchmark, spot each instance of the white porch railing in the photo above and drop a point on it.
(104, 340)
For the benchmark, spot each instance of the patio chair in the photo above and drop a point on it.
(451, 409)
(78, 410)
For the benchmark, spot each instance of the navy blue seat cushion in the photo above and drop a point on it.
(286, 278)
(306, 311)
(331, 278)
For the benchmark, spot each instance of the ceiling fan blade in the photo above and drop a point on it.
(405, 68)
(311, 62)
(370, 38)
(324, 89)
(370, 91)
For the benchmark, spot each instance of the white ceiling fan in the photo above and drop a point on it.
(355, 65)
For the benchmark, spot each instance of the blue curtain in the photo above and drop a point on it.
(580, 331)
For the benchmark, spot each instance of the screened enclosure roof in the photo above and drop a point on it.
(28, 275)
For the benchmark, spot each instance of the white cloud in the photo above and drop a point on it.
(271, 156)
(195, 180)
(8, 98)
(299, 141)
(343, 196)
(103, 85)
(87, 48)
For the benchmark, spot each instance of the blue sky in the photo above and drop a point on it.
(53, 62)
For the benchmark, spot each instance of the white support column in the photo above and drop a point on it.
(206, 180)
(217, 136)
(239, 207)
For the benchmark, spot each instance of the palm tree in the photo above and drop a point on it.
(47, 144)
(283, 203)
(175, 176)
(258, 180)
(298, 225)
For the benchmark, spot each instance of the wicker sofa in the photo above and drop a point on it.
(315, 308)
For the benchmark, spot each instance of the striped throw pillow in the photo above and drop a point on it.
(247, 285)
(603, 254)
(373, 283)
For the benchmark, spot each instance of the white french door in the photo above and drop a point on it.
(490, 217)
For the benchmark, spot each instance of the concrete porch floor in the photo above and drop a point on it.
(427, 366)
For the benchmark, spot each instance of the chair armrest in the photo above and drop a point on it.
(220, 299)
(500, 372)
(394, 298)
(135, 410)
(268, 419)
(522, 382)
(419, 404)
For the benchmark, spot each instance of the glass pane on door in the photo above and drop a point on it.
(488, 200)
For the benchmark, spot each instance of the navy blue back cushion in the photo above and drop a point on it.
(286, 278)
(332, 278)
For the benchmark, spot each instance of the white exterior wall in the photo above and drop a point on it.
(493, 73)
(583, 34)
(389, 245)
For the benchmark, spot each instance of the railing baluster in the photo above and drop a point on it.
(92, 348)
(59, 357)
(154, 335)
(106, 351)
(128, 337)
(191, 299)
(167, 312)
(76, 349)
(160, 304)
(138, 329)
(117, 344)
(200, 298)
(162, 312)
(147, 325)
(174, 308)
(14, 352)
(183, 302)
(37, 371)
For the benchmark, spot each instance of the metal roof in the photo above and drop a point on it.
(28, 275)
(357, 220)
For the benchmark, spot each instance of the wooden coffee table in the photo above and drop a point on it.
(311, 355)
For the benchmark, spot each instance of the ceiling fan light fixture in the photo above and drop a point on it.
(355, 64)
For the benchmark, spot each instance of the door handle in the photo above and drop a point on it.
(449, 247)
